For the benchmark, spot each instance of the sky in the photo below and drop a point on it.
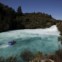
(51, 7)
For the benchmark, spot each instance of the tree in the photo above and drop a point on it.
(19, 10)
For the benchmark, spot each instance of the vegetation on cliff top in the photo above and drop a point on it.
(11, 19)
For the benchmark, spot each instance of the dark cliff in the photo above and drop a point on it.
(12, 20)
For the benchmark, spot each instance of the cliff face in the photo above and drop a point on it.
(37, 20)
(11, 20)
(39, 57)
(29, 21)
(59, 26)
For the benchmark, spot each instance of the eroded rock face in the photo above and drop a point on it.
(47, 60)
(57, 57)
(4, 27)
(41, 60)
(59, 26)
(39, 57)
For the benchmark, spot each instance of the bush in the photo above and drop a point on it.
(27, 55)
(2, 59)
(11, 59)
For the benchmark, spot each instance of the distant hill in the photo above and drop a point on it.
(12, 20)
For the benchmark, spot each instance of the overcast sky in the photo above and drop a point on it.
(53, 7)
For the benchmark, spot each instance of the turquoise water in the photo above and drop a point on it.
(32, 42)
(25, 40)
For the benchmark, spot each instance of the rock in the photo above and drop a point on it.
(12, 42)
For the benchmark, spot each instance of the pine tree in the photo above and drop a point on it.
(19, 10)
